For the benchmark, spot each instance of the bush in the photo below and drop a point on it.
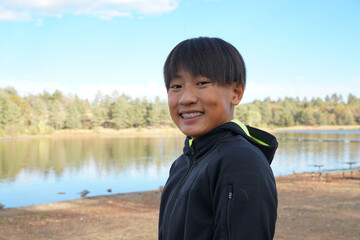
(33, 130)
(45, 129)
(2, 132)
(11, 130)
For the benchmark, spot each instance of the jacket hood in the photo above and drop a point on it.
(266, 142)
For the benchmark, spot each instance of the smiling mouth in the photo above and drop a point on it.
(191, 115)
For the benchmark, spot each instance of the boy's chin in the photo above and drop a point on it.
(192, 134)
(194, 131)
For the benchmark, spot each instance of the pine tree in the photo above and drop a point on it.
(57, 114)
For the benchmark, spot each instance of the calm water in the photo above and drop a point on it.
(34, 171)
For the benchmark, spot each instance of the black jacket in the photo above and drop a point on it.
(222, 187)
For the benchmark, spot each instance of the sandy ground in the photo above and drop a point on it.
(310, 210)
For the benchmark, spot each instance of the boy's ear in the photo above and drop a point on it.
(238, 92)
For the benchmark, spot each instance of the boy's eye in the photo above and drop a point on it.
(202, 83)
(175, 86)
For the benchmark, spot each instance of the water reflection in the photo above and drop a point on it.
(299, 150)
(33, 171)
(108, 154)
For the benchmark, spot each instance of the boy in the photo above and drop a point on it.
(222, 186)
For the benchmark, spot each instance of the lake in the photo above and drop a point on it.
(34, 171)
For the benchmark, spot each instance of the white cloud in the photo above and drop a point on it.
(22, 10)
(10, 15)
(141, 6)
(105, 14)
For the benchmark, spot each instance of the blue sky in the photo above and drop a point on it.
(307, 48)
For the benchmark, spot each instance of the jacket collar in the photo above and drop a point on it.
(266, 142)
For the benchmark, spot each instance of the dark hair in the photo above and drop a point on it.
(209, 57)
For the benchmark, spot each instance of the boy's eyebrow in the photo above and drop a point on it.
(176, 76)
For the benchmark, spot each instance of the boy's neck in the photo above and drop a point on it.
(243, 127)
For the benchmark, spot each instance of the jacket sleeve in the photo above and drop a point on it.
(245, 197)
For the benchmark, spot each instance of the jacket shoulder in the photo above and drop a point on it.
(237, 154)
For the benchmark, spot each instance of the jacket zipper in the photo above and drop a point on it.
(172, 202)
(230, 197)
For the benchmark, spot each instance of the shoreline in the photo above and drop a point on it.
(307, 210)
(105, 133)
(160, 132)
(322, 127)
(126, 195)
(132, 194)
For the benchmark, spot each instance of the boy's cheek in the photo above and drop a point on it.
(171, 99)
(172, 103)
(174, 114)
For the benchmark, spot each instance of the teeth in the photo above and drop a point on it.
(191, 115)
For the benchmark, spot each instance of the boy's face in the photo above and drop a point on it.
(197, 105)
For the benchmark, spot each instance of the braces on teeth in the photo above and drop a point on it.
(191, 115)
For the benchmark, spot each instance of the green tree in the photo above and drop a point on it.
(73, 116)
(155, 113)
(327, 99)
(57, 95)
(120, 112)
(10, 113)
(330, 118)
(98, 115)
(240, 113)
(39, 111)
(339, 111)
(320, 118)
(348, 119)
(352, 99)
(304, 117)
(266, 113)
(283, 117)
(136, 113)
(318, 102)
(165, 119)
(57, 114)
(253, 118)
(101, 109)
(286, 118)
(82, 107)
(147, 117)
(24, 109)
(336, 98)
(11, 91)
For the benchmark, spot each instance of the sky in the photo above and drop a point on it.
(307, 48)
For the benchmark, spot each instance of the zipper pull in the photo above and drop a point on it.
(230, 192)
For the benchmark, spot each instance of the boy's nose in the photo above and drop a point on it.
(187, 97)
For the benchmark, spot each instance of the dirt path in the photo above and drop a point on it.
(307, 210)
(318, 210)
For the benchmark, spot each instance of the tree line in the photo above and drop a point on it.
(332, 110)
(44, 113)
